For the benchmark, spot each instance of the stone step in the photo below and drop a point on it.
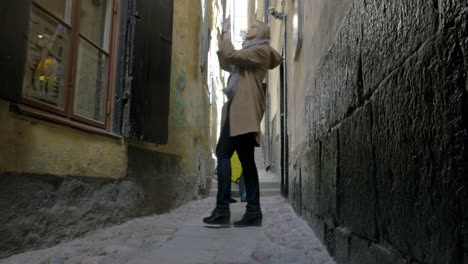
(263, 192)
(263, 185)
(266, 189)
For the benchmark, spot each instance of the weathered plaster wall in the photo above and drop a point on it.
(271, 122)
(30, 145)
(380, 172)
(50, 172)
(39, 211)
(190, 136)
(320, 22)
(217, 77)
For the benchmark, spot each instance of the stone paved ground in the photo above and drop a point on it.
(179, 237)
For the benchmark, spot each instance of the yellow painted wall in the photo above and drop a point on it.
(30, 145)
(276, 42)
(296, 91)
(272, 150)
(189, 119)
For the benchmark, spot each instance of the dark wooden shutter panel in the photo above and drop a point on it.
(14, 22)
(149, 100)
(119, 99)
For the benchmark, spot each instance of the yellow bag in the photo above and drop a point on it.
(236, 168)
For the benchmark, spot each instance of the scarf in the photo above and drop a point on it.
(231, 87)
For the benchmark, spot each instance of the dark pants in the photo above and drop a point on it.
(245, 146)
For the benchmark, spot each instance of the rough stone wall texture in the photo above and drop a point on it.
(321, 20)
(382, 179)
(38, 211)
(161, 178)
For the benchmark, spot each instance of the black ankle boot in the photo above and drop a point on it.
(249, 220)
(217, 219)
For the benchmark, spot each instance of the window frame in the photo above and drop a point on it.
(67, 115)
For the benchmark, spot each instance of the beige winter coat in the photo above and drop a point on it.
(248, 105)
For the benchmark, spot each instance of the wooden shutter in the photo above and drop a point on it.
(14, 24)
(124, 39)
(149, 100)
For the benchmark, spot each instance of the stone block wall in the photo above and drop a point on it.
(383, 177)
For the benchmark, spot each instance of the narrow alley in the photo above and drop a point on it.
(234, 132)
(179, 237)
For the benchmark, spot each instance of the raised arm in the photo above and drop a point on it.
(246, 58)
(223, 63)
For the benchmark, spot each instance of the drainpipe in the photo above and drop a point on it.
(266, 136)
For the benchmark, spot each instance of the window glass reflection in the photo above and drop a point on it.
(60, 8)
(95, 21)
(47, 57)
(90, 89)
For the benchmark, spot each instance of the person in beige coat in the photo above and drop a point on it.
(241, 117)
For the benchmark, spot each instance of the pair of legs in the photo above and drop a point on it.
(245, 147)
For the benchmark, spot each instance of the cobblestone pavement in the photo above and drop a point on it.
(179, 237)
